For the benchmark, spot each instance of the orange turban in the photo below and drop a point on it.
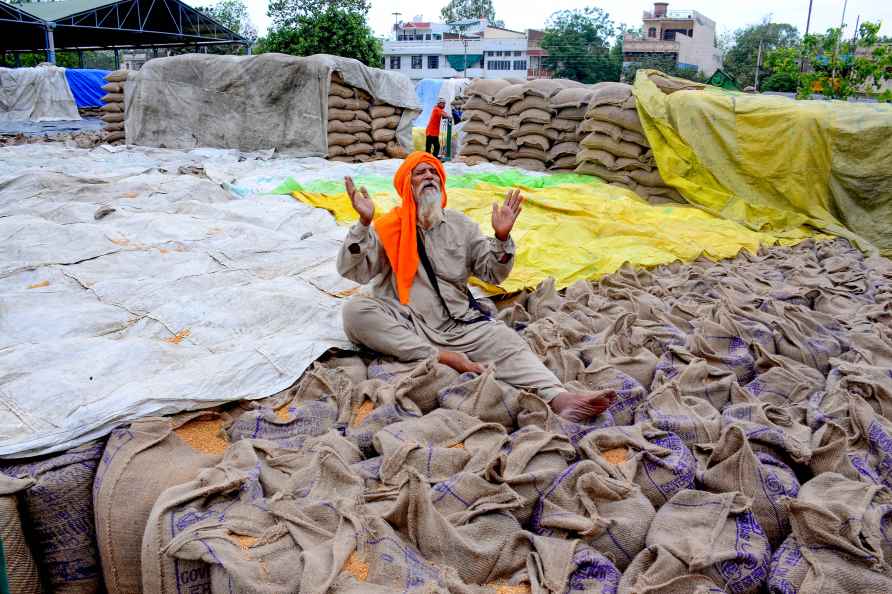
(396, 229)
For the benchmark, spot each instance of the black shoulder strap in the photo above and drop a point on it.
(432, 275)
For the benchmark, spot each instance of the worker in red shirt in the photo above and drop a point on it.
(432, 140)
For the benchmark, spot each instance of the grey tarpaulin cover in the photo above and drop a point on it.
(38, 94)
(251, 102)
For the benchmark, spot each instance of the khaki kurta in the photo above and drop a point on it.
(457, 250)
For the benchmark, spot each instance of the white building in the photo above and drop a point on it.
(467, 49)
(686, 36)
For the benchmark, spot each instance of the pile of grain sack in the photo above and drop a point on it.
(747, 451)
(360, 129)
(533, 125)
(113, 107)
(615, 148)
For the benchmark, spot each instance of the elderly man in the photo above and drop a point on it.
(418, 258)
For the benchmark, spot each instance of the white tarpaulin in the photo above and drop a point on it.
(38, 94)
(270, 101)
(195, 289)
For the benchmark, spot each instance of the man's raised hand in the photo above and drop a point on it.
(505, 215)
(361, 201)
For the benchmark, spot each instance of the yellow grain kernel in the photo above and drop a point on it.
(616, 455)
(283, 413)
(244, 542)
(357, 567)
(458, 446)
(204, 435)
(361, 412)
(39, 285)
(506, 589)
(179, 336)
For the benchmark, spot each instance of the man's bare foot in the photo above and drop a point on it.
(582, 407)
(459, 362)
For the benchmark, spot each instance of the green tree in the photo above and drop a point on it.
(460, 10)
(286, 13)
(578, 46)
(664, 64)
(783, 63)
(740, 58)
(333, 31)
(232, 14)
(839, 67)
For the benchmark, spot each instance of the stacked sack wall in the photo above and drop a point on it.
(113, 107)
(615, 148)
(532, 125)
(360, 129)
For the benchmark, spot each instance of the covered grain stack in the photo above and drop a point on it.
(298, 106)
(614, 147)
(113, 107)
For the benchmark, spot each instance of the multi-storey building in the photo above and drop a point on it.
(469, 49)
(685, 36)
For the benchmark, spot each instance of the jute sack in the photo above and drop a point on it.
(390, 122)
(502, 144)
(351, 127)
(336, 102)
(486, 89)
(383, 135)
(536, 116)
(364, 137)
(528, 152)
(478, 115)
(380, 146)
(732, 465)
(113, 117)
(548, 87)
(698, 538)
(534, 128)
(616, 148)
(572, 97)
(477, 139)
(508, 95)
(503, 122)
(395, 151)
(568, 137)
(382, 111)
(117, 76)
(529, 164)
(563, 149)
(182, 445)
(115, 127)
(566, 163)
(611, 515)
(60, 522)
(472, 535)
(657, 461)
(113, 136)
(871, 383)
(289, 426)
(575, 114)
(870, 442)
(783, 381)
(721, 348)
(838, 544)
(624, 118)
(112, 108)
(562, 125)
(113, 87)
(475, 127)
(534, 140)
(648, 178)
(340, 139)
(439, 445)
(593, 572)
(470, 150)
(483, 397)
(779, 431)
(596, 169)
(600, 163)
(113, 98)
(339, 90)
(610, 93)
(359, 148)
(532, 461)
(692, 419)
(529, 102)
(478, 104)
(344, 115)
(20, 567)
(496, 156)
(335, 150)
(630, 394)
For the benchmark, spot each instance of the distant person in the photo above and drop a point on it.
(432, 140)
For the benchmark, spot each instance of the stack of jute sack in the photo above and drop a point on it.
(532, 125)
(746, 451)
(615, 148)
(360, 129)
(113, 107)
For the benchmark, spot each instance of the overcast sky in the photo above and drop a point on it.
(729, 16)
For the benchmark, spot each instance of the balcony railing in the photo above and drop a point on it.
(671, 14)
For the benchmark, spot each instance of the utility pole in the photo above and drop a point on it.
(807, 27)
(842, 24)
(759, 56)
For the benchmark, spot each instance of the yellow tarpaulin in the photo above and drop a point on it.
(772, 163)
(583, 230)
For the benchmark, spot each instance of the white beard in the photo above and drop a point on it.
(429, 208)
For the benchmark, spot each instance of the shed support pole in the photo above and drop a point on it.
(117, 59)
(50, 46)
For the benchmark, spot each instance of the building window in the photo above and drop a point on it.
(433, 62)
(489, 53)
(427, 37)
(394, 62)
(652, 32)
(417, 63)
(438, 36)
(520, 64)
(517, 54)
(499, 65)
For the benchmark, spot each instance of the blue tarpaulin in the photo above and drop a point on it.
(427, 90)
(86, 86)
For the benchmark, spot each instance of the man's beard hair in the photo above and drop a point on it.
(429, 206)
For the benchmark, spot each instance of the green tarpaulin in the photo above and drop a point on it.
(458, 62)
